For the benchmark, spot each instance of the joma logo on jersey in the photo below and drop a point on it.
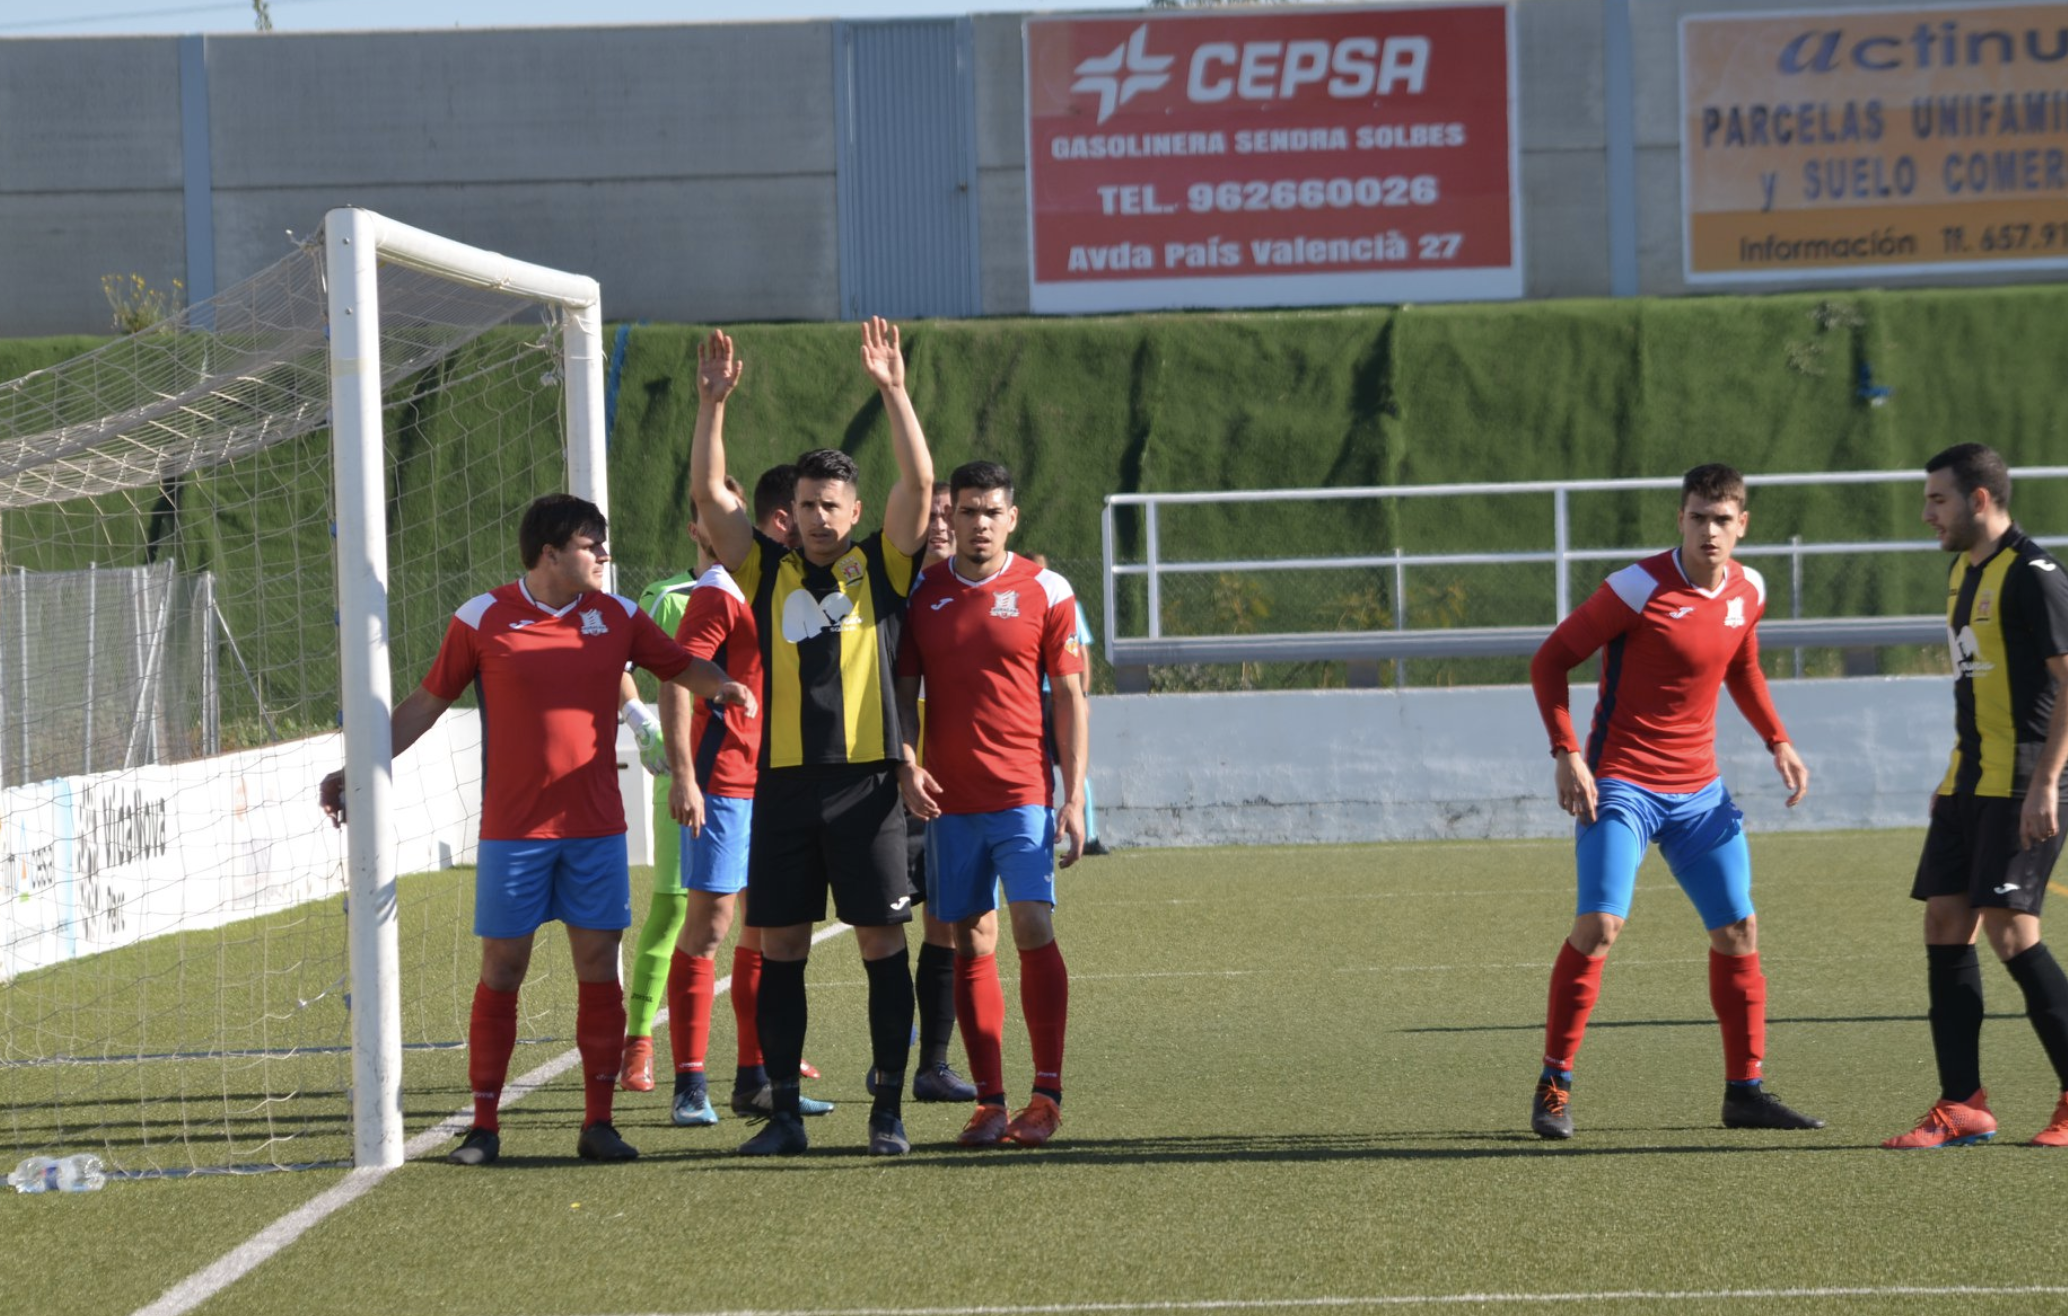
(592, 622)
(1005, 603)
(1734, 612)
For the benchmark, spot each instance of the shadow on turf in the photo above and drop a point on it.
(1286, 1147)
(1709, 1022)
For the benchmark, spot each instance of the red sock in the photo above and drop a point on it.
(599, 1033)
(1045, 1000)
(746, 990)
(491, 1037)
(1737, 991)
(1575, 986)
(691, 989)
(980, 1009)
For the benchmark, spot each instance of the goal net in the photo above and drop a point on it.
(227, 542)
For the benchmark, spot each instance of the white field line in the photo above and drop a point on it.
(247, 1256)
(1425, 1300)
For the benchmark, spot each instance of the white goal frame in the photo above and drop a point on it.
(357, 242)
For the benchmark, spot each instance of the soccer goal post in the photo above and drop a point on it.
(356, 243)
(226, 540)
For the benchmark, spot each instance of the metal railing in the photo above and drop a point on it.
(1400, 643)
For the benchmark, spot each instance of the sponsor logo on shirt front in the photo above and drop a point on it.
(1734, 612)
(592, 622)
(805, 616)
(1967, 653)
(1005, 603)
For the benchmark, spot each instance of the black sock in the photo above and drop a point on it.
(780, 1015)
(933, 984)
(692, 1084)
(1955, 976)
(2046, 1002)
(890, 1026)
(749, 1078)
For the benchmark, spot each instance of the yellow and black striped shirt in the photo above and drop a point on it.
(829, 642)
(2004, 619)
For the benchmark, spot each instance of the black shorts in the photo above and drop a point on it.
(915, 857)
(818, 828)
(1972, 850)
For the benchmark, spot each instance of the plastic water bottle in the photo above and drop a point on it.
(46, 1174)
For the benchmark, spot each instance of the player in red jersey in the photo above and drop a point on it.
(545, 656)
(1672, 630)
(933, 973)
(983, 630)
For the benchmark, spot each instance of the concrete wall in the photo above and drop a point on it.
(1474, 763)
(690, 168)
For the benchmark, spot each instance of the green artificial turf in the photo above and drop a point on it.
(1294, 1075)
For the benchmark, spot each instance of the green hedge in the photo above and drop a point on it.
(1088, 407)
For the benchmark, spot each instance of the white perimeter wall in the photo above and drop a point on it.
(88, 864)
(1380, 765)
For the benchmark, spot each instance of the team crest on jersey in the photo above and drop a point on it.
(1071, 647)
(592, 622)
(1985, 603)
(1734, 613)
(1005, 603)
(852, 568)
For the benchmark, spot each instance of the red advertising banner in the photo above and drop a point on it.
(1282, 158)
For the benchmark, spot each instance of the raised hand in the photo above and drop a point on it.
(881, 359)
(718, 370)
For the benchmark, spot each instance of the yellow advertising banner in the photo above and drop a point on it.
(1859, 142)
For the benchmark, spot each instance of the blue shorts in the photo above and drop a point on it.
(718, 854)
(582, 881)
(1701, 835)
(969, 854)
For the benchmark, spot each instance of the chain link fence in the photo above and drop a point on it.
(106, 668)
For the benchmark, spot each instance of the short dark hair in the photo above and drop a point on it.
(732, 486)
(980, 475)
(554, 519)
(1975, 466)
(828, 464)
(774, 491)
(1715, 483)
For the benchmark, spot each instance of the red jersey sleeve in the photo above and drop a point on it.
(706, 624)
(1593, 624)
(1747, 684)
(653, 649)
(457, 662)
(1061, 654)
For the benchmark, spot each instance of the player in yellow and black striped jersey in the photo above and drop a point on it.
(1996, 820)
(827, 810)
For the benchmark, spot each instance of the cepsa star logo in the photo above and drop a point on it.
(1103, 73)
